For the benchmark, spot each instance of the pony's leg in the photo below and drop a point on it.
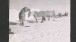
(22, 23)
(35, 18)
(48, 18)
(42, 20)
(36, 21)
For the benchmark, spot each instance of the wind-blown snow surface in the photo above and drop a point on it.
(49, 31)
(55, 30)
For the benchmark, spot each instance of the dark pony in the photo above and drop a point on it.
(22, 15)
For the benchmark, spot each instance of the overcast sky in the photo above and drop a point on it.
(40, 4)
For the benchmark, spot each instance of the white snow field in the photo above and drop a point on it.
(48, 31)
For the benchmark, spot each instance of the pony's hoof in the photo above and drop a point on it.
(36, 22)
(41, 22)
(27, 26)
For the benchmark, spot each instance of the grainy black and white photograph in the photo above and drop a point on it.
(39, 20)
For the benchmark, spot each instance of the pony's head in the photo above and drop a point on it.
(26, 9)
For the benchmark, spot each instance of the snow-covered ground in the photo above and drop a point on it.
(49, 31)
(55, 30)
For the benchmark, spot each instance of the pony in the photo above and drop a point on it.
(22, 15)
(43, 14)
